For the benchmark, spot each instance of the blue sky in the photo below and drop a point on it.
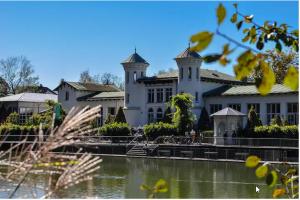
(64, 38)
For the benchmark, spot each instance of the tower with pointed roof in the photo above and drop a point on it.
(189, 63)
(135, 67)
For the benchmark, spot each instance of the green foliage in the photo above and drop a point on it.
(115, 129)
(12, 118)
(208, 133)
(283, 172)
(204, 122)
(154, 130)
(275, 131)
(159, 187)
(253, 120)
(14, 129)
(109, 119)
(276, 121)
(120, 117)
(37, 119)
(167, 118)
(253, 61)
(183, 116)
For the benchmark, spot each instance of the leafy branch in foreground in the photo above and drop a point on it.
(159, 187)
(252, 59)
(285, 173)
(38, 156)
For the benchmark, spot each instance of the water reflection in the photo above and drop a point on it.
(121, 177)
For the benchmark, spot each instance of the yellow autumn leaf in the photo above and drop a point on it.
(247, 61)
(160, 186)
(252, 161)
(203, 39)
(278, 192)
(291, 78)
(272, 178)
(261, 171)
(267, 80)
(221, 13)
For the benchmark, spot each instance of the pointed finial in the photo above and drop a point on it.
(189, 45)
(134, 49)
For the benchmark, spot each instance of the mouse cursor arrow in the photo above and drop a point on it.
(256, 189)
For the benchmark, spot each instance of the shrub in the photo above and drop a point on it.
(120, 117)
(208, 133)
(12, 118)
(275, 131)
(154, 130)
(115, 129)
(110, 119)
(253, 119)
(276, 121)
(204, 122)
(167, 116)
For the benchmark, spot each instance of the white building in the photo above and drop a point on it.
(82, 94)
(145, 98)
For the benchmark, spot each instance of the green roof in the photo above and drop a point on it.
(93, 87)
(227, 90)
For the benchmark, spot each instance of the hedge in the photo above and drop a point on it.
(115, 129)
(208, 133)
(154, 130)
(275, 131)
(14, 129)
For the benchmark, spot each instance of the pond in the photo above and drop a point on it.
(121, 177)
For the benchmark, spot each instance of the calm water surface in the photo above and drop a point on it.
(121, 177)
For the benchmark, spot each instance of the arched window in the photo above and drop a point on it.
(190, 73)
(67, 96)
(134, 76)
(150, 115)
(159, 114)
(196, 97)
(181, 73)
(197, 73)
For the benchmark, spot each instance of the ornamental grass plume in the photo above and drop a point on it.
(38, 156)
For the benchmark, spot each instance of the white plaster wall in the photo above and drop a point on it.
(262, 100)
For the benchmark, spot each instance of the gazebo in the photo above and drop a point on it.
(226, 124)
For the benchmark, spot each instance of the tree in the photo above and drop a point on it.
(170, 70)
(167, 118)
(279, 63)
(120, 117)
(253, 120)
(276, 121)
(3, 87)
(18, 73)
(204, 122)
(252, 58)
(183, 116)
(110, 119)
(85, 77)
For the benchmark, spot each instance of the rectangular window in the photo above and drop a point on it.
(159, 95)
(190, 73)
(150, 95)
(197, 73)
(25, 114)
(67, 96)
(196, 97)
(215, 108)
(181, 73)
(292, 113)
(142, 74)
(111, 110)
(134, 77)
(235, 106)
(168, 94)
(273, 110)
(127, 77)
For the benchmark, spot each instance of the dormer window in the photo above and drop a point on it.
(67, 96)
(190, 73)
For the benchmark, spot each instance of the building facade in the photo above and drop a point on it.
(146, 98)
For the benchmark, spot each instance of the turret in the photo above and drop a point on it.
(135, 67)
(188, 63)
